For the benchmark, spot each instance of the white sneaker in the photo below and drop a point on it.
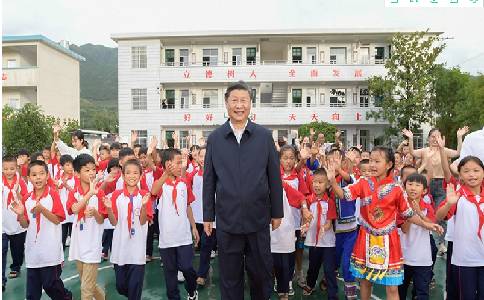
(68, 241)
(275, 285)
(442, 250)
(181, 278)
(291, 290)
(213, 254)
(194, 297)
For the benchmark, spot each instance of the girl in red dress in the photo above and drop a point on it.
(377, 254)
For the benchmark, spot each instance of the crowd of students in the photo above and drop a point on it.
(368, 217)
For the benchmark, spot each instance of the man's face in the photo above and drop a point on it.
(238, 105)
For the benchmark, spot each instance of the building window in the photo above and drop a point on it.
(236, 56)
(337, 55)
(183, 57)
(297, 97)
(251, 53)
(378, 101)
(364, 97)
(169, 57)
(296, 55)
(311, 51)
(183, 139)
(209, 98)
(418, 141)
(206, 133)
(365, 139)
(364, 54)
(138, 57)
(379, 55)
(210, 57)
(14, 103)
(184, 100)
(139, 99)
(170, 142)
(142, 137)
(253, 96)
(337, 97)
(282, 133)
(11, 63)
(169, 101)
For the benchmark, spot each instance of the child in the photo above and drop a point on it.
(417, 253)
(177, 226)
(65, 185)
(207, 242)
(114, 149)
(111, 183)
(23, 163)
(377, 255)
(345, 225)
(147, 179)
(13, 187)
(320, 236)
(114, 169)
(282, 239)
(129, 211)
(41, 214)
(466, 205)
(86, 204)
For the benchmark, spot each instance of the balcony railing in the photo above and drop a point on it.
(269, 62)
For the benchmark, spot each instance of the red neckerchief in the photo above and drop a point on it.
(294, 197)
(319, 211)
(37, 215)
(174, 193)
(10, 188)
(64, 183)
(200, 172)
(130, 205)
(469, 195)
(81, 212)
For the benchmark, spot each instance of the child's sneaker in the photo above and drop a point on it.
(104, 256)
(283, 296)
(275, 285)
(213, 254)
(194, 297)
(201, 281)
(149, 258)
(291, 290)
(307, 290)
(181, 278)
(301, 281)
(68, 241)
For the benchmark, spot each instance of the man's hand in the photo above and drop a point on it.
(196, 236)
(207, 227)
(276, 223)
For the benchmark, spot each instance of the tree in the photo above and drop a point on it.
(404, 94)
(28, 128)
(319, 127)
(458, 101)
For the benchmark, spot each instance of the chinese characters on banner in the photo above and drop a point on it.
(292, 117)
(291, 74)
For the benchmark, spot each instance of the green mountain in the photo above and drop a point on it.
(99, 87)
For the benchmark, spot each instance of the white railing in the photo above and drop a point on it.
(267, 62)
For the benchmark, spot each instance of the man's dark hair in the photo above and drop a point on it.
(137, 146)
(81, 161)
(66, 158)
(125, 152)
(240, 85)
(116, 145)
(104, 147)
(168, 155)
(406, 167)
(38, 163)
(143, 150)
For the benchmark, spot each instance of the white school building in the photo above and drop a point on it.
(175, 82)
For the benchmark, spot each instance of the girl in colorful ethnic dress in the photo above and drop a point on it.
(377, 255)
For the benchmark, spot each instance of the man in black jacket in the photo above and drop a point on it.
(242, 171)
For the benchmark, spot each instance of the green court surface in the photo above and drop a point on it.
(154, 284)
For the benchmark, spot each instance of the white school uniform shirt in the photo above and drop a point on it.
(416, 242)
(129, 246)
(173, 221)
(64, 195)
(44, 248)
(86, 236)
(197, 204)
(283, 238)
(328, 212)
(468, 248)
(10, 224)
(295, 212)
(64, 149)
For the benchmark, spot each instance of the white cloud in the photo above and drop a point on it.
(91, 21)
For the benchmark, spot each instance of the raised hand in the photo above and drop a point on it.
(107, 202)
(305, 154)
(441, 141)
(351, 155)
(90, 212)
(153, 142)
(134, 136)
(17, 207)
(37, 209)
(146, 199)
(435, 228)
(330, 171)
(407, 133)
(56, 130)
(93, 187)
(462, 131)
(452, 195)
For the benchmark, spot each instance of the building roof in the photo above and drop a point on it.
(266, 32)
(42, 39)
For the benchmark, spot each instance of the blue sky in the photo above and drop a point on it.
(93, 21)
